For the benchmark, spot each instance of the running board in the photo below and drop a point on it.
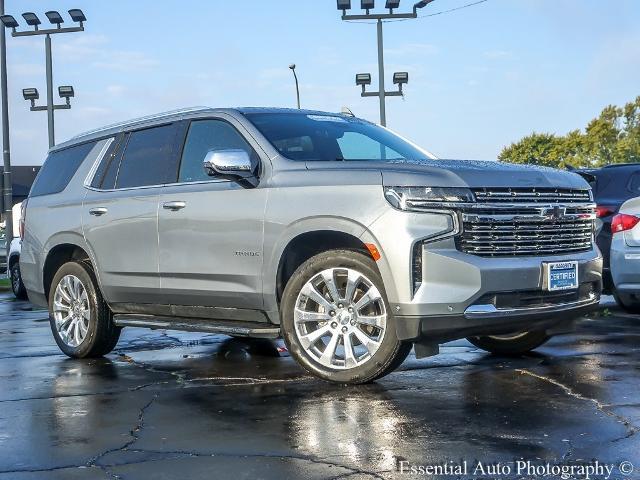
(233, 328)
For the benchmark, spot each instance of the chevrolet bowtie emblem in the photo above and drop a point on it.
(554, 213)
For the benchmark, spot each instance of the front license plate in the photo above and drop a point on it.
(561, 275)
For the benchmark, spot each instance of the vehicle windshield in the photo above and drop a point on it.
(327, 137)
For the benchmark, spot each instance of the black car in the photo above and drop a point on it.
(612, 186)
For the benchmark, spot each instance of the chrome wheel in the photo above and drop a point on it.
(71, 310)
(15, 278)
(340, 318)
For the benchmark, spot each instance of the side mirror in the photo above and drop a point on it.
(232, 163)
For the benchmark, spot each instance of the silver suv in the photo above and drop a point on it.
(337, 234)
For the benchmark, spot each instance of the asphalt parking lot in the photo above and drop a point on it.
(180, 405)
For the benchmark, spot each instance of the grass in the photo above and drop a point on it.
(5, 284)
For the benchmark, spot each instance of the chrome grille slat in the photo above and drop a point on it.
(532, 195)
(520, 222)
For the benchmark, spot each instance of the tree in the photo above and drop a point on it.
(613, 137)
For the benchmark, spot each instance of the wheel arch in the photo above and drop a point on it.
(61, 250)
(300, 242)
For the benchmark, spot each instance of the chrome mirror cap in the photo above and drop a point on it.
(227, 162)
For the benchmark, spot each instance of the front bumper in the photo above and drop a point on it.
(464, 295)
(450, 299)
(553, 318)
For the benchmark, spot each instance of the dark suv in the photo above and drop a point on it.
(612, 186)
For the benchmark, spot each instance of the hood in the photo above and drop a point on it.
(461, 173)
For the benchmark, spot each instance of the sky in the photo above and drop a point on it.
(479, 78)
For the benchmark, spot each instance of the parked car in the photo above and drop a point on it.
(349, 241)
(14, 269)
(612, 186)
(14, 256)
(625, 255)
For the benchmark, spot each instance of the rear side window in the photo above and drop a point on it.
(634, 183)
(149, 158)
(58, 169)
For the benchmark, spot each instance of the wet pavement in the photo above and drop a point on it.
(168, 404)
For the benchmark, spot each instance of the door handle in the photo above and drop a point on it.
(98, 211)
(174, 206)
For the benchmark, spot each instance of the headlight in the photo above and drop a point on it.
(420, 198)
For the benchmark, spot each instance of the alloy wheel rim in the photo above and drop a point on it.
(340, 318)
(15, 279)
(71, 310)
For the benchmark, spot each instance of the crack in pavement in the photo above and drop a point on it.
(134, 433)
(601, 407)
(168, 454)
(86, 395)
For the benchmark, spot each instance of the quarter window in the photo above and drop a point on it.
(149, 158)
(206, 135)
(59, 168)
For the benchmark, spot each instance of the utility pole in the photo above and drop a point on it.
(364, 79)
(7, 194)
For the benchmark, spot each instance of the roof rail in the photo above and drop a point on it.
(141, 119)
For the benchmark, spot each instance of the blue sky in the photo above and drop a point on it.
(480, 77)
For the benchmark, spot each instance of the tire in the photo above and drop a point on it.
(374, 350)
(511, 345)
(626, 303)
(16, 282)
(92, 314)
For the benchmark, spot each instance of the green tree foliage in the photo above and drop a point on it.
(613, 137)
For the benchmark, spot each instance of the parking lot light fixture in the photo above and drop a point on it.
(391, 5)
(77, 15)
(54, 17)
(400, 78)
(363, 79)
(9, 22)
(30, 94)
(344, 5)
(66, 91)
(422, 4)
(292, 67)
(367, 5)
(31, 19)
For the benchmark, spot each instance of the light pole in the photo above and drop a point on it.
(293, 69)
(391, 5)
(66, 92)
(6, 199)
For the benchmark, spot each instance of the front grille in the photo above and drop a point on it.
(509, 222)
(532, 195)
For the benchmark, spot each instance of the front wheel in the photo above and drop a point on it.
(80, 319)
(512, 344)
(336, 319)
(16, 282)
(626, 302)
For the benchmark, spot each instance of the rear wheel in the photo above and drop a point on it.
(336, 319)
(80, 319)
(511, 344)
(16, 282)
(626, 302)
